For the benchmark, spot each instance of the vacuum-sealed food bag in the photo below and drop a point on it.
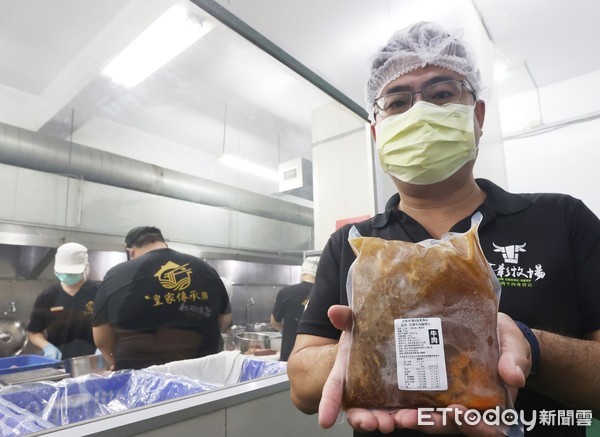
(425, 317)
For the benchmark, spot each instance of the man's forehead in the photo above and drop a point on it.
(421, 76)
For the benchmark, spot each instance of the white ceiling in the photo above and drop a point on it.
(52, 52)
(556, 38)
(221, 94)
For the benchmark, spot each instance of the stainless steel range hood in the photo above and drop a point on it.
(36, 151)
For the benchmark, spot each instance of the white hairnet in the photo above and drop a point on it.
(417, 46)
(309, 266)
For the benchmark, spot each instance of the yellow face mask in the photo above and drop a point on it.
(428, 143)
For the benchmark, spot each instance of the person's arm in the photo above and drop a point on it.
(50, 350)
(278, 326)
(105, 339)
(225, 321)
(568, 370)
(309, 366)
(37, 339)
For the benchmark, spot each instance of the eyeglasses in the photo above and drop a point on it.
(448, 91)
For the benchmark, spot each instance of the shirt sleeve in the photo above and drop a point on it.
(329, 289)
(100, 316)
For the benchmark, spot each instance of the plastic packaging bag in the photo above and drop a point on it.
(424, 331)
(15, 421)
(86, 397)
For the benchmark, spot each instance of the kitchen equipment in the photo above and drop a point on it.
(275, 338)
(236, 329)
(42, 374)
(258, 327)
(13, 337)
(85, 365)
(247, 340)
(229, 342)
(24, 363)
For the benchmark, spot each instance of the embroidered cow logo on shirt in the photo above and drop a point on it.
(510, 254)
(510, 272)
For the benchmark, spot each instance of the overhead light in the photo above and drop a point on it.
(500, 71)
(249, 167)
(169, 35)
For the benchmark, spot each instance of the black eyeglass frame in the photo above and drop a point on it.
(377, 110)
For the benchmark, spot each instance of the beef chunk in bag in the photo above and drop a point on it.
(449, 279)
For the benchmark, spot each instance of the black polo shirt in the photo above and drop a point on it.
(66, 319)
(544, 249)
(164, 305)
(289, 306)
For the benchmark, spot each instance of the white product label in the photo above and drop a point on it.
(420, 354)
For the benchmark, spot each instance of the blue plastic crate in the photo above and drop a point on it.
(75, 399)
(21, 363)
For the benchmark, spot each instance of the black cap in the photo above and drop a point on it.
(136, 233)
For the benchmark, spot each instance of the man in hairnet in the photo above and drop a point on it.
(290, 303)
(160, 306)
(423, 97)
(61, 320)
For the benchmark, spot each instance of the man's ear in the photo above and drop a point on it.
(480, 113)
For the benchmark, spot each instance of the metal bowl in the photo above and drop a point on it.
(275, 338)
(247, 340)
(229, 342)
(13, 337)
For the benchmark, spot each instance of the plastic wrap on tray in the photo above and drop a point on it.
(254, 369)
(222, 368)
(86, 397)
(15, 421)
(424, 332)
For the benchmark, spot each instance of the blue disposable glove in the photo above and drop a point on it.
(51, 351)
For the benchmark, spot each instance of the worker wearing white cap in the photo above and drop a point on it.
(290, 303)
(61, 320)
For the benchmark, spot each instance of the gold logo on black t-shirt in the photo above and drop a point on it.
(89, 308)
(174, 277)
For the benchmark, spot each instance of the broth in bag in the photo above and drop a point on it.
(424, 331)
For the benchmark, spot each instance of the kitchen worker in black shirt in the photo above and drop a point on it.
(427, 118)
(289, 306)
(61, 320)
(160, 306)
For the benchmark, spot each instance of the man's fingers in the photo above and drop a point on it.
(364, 420)
(341, 317)
(333, 390)
(330, 404)
(515, 355)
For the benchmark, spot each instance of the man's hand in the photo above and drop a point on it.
(513, 366)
